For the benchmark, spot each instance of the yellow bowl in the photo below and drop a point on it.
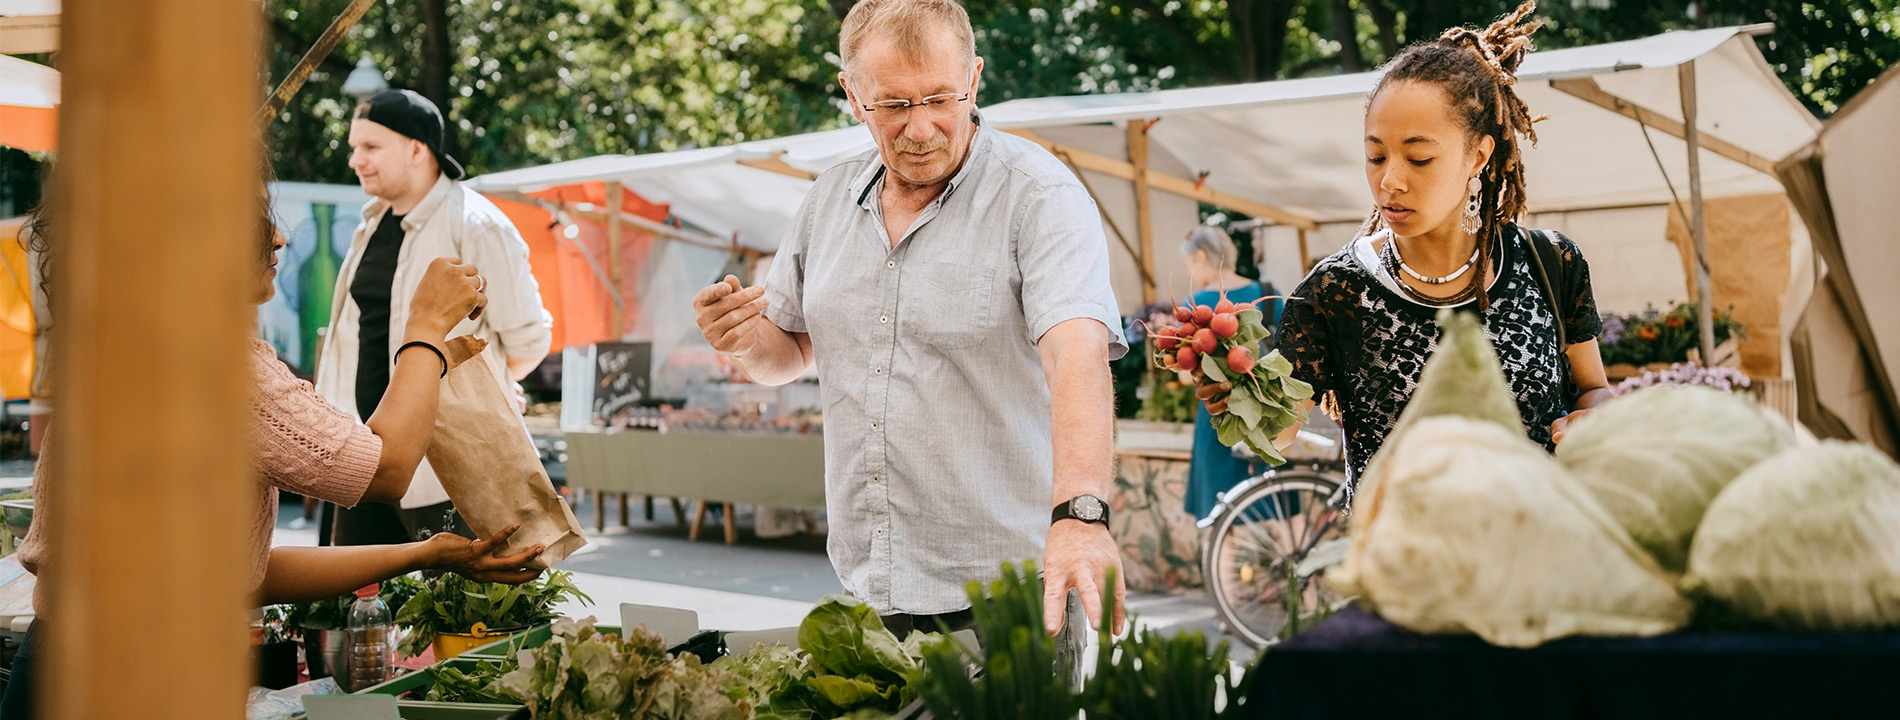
(448, 645)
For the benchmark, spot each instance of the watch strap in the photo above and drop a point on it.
(1066, 511)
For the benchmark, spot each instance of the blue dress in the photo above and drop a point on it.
(1214, 469)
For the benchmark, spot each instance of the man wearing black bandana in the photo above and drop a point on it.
(419, 211)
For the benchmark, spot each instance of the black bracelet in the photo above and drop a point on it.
(432, 348)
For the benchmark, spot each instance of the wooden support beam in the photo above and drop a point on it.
(1169, 183)
(1144, 217)
(1699, 228)
(614, 209)
(777, 164)
(325, 43)
(151, 530)
(1306, 257)
(1586, 89)
(690, 237)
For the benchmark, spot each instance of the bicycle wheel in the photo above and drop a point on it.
(1256, 543)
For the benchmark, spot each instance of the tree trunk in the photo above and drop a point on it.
(1346, 31)
(1239, 15)
(436, 65)
(1382, 17)
(1270, 22)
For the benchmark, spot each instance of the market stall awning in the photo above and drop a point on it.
(1290, 143)
(1847, 345)
(29, 98)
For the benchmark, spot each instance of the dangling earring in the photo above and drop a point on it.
(1471, 224)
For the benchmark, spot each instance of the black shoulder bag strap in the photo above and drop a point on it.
(1544, 258)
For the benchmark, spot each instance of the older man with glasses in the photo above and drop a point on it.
(953, 290)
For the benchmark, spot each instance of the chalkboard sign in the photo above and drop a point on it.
(623, 377)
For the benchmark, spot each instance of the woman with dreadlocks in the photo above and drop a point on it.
(1442, 134)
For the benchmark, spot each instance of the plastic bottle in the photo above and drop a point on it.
(369, 648)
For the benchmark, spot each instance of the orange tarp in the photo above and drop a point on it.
(16, 315)
(571, 289)
(31, 129)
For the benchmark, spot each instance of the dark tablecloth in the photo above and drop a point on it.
(1357, 665)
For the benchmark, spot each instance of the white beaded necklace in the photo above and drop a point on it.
(1427, 280)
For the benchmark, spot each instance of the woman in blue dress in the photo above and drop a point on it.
(1210, 256)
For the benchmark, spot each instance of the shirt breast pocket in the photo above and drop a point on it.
(950, 306)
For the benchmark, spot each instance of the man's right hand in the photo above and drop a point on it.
(728, 314)
(447, 294)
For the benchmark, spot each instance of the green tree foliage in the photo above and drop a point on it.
(535, 81)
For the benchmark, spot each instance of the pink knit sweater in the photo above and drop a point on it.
(303, 445)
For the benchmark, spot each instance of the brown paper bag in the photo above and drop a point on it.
(488, 465)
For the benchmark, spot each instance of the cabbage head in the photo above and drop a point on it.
(1470, 527)
(1806, 540)
(1656, 458)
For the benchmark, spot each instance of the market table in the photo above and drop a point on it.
(785, 471)
(1357, 665)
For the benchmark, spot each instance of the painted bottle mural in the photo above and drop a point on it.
(317, 282)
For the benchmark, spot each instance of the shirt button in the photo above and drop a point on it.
(877, 478)
(884, 319)
(891, 263)
(879, 370)
(880, 532)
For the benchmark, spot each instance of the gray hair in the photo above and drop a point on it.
(909, 24)
(1216, 243)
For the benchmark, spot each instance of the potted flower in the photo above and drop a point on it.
(1654, 339)
(457, 614)
(1720, 378)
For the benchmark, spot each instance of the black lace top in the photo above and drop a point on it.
(1350, 332)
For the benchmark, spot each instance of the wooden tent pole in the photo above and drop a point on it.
(325, 43)
(1685, 83)
(155, 309)
(1144, 216)
(612, 209)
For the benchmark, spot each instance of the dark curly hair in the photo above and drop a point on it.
(1477, 69)
(41, 232)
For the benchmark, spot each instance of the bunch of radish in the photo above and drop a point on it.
(1218, 345)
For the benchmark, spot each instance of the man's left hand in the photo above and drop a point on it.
(1078, 555)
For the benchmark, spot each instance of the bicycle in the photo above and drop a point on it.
(1258, 554)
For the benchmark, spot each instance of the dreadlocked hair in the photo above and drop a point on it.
(1477, 69)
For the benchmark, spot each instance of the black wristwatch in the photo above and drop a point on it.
(1087, 508)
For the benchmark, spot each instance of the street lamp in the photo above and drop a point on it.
(365, 80)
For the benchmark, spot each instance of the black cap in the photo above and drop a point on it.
(413, 116)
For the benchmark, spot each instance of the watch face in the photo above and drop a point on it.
(1087, 508)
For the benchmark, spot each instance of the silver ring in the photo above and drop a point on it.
(483, 285)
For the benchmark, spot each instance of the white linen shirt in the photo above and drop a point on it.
(451, 221)
(938, 457)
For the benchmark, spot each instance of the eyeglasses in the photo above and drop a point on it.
(937, 106)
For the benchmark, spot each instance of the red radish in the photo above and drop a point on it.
(1224, 306)
(1203, 313)
(1183, 314)
(1225, 324)
(1166, 342)
(1240, 359)
(1186, 331)
(1187, 359)
(1204, 341)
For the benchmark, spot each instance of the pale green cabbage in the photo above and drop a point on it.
(1472, 528)
(1806, 540)
(1656, 458)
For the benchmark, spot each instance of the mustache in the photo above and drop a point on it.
(907, 145)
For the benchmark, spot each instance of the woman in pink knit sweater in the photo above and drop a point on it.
(306, 446)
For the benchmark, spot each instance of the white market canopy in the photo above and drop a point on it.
(1292, 145)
